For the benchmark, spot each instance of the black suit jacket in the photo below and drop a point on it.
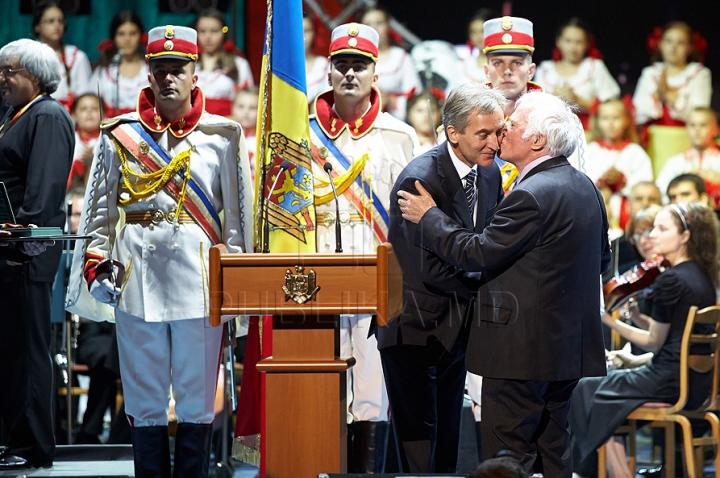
(436, 294)
(539, 312)
(35, 158)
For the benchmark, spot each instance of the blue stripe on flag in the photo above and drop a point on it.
(288, 50)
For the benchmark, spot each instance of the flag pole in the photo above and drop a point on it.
(260, 165)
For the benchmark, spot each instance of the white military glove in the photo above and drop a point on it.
(104, 291)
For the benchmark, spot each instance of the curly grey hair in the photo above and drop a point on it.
(551, 117)
(38, 59)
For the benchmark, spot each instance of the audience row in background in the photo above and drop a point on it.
(675, 82)
(669, 109)
(122, 71)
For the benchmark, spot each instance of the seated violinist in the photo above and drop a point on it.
(642, 195)
(686, 236)
(640, 245)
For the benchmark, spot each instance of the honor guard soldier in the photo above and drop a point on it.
(181, 177)
(509, 45)
(367, 150)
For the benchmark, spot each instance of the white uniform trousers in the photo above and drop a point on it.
(366, 393)
(157, 357)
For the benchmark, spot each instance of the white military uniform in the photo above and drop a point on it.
(390, 145)
(164, 336)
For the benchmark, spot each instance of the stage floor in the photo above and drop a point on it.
(100, 461)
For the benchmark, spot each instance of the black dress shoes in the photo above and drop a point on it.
(13, 462)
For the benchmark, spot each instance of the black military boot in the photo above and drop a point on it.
(151, 452)
(382, 431)
(192, 450)
(369, 446)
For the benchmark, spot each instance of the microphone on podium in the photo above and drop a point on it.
(338, 237)
(266, 226)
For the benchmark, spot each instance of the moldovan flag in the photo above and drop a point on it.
(283, 135)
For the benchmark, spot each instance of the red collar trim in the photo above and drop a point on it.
(613, 147)
(532, 86)
(332, 125)
(180, 128)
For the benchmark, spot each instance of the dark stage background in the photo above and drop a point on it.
(621, 27)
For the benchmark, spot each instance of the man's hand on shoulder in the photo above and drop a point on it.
(414, 207)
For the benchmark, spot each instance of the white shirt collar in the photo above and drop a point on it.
(461, 168)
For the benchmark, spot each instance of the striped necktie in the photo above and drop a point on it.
(469, 187)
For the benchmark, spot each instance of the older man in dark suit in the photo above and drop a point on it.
(537, 330)
(36, 147)
(423, 350)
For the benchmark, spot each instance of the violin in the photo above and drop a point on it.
(632, 283)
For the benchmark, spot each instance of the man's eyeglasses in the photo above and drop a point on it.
(8, 71)
(635, 238)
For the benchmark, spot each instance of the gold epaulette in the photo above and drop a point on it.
(107, 123)
(112, 122)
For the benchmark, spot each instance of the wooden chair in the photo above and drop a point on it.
(667, 415)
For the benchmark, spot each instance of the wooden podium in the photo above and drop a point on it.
(305, 398)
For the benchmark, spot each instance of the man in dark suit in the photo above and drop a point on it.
(537, 330)
(423, 350)
(36, 150)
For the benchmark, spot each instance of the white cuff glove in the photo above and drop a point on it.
(104, 291)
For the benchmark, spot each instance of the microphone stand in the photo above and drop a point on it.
(338, 236)
(116, 61)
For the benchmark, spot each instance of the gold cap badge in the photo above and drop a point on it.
(352, 42)
(169, 45)
(507, 38)
(507, 23)
(169, 32)
(353, 30)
